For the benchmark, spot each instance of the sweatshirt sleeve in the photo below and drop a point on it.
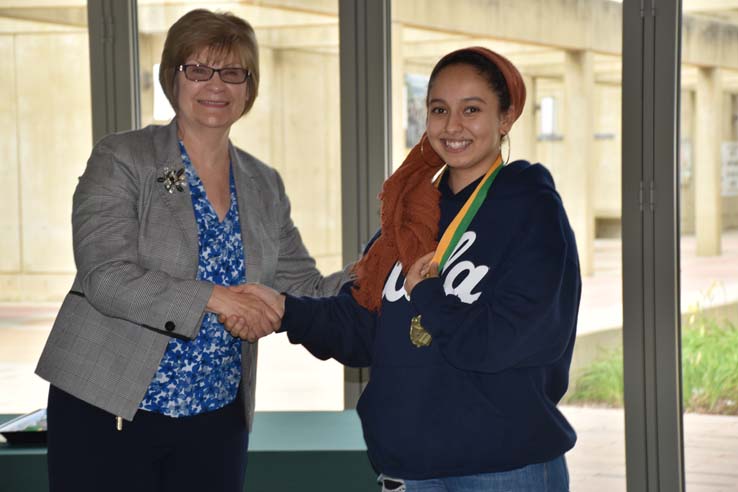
(529, 318)
(334, 327)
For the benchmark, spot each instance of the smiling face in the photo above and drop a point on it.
(212, 104)
(464, 123)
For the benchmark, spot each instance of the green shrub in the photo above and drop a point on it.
(601, 383)
(709, 370)
(710, 366)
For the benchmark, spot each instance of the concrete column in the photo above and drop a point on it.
(398, 97)
(575, 179)
(523, 133)
(707, 163)
(733, 132)
(279, 83)
(11, 223)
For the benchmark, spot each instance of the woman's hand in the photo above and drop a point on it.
(245, 313)
(419, 271)
(250, 328)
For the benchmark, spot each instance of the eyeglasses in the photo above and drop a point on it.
(202, 73)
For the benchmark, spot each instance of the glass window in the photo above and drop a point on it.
(163, 111)
(46, 136)
(571, 63)
(709, 243)
(294, 127)
(547, 116)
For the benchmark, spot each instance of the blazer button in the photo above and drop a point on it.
(169, 326)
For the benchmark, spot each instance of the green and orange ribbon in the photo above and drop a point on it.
(461, 222)
(418, 335)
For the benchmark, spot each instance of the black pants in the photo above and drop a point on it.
(154, 453)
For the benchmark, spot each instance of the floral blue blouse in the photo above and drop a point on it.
(201, 375)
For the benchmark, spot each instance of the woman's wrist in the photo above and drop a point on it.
(283, 304)
(217, 299)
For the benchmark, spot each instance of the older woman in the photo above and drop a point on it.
(148, 390)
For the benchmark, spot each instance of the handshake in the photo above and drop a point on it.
(253, 311)
(248, 311)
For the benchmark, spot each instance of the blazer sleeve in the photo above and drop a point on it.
(105, 223)
(296, 271)
(530, 317)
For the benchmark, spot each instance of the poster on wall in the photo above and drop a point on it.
(730, 168)
(415, 89)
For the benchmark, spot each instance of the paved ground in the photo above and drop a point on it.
(289, 378)
(708, 281)
(597, 462)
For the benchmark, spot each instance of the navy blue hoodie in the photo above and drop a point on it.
(482, 397)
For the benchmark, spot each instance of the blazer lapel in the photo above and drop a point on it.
(250, 201)
(252, 227)
(168, 156)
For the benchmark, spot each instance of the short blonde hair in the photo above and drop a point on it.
(221, 34)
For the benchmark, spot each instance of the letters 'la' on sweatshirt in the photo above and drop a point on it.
(482, 397)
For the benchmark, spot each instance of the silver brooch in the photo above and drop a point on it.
(173, 179)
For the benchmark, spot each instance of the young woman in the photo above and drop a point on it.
(470, 344)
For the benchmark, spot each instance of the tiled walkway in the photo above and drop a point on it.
(23, 331)
(597, 463)
(705, 280)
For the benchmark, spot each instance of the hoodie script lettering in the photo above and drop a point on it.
(472, 275)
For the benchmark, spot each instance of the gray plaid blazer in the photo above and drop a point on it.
(136, 251)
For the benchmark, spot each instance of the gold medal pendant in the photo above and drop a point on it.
(418, 336)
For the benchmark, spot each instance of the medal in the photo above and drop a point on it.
(418, 335)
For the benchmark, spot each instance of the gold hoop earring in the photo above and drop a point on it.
(422, 155)
(506, 136)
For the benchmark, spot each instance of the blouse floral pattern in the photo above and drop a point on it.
(202, 375)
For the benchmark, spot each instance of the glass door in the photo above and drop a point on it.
(45, 116)
(294, 127)
(709, 243)
(572, 124)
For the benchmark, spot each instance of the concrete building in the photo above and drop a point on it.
(569, 53)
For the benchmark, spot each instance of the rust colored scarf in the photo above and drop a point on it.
(410, 204)
(409, 215)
